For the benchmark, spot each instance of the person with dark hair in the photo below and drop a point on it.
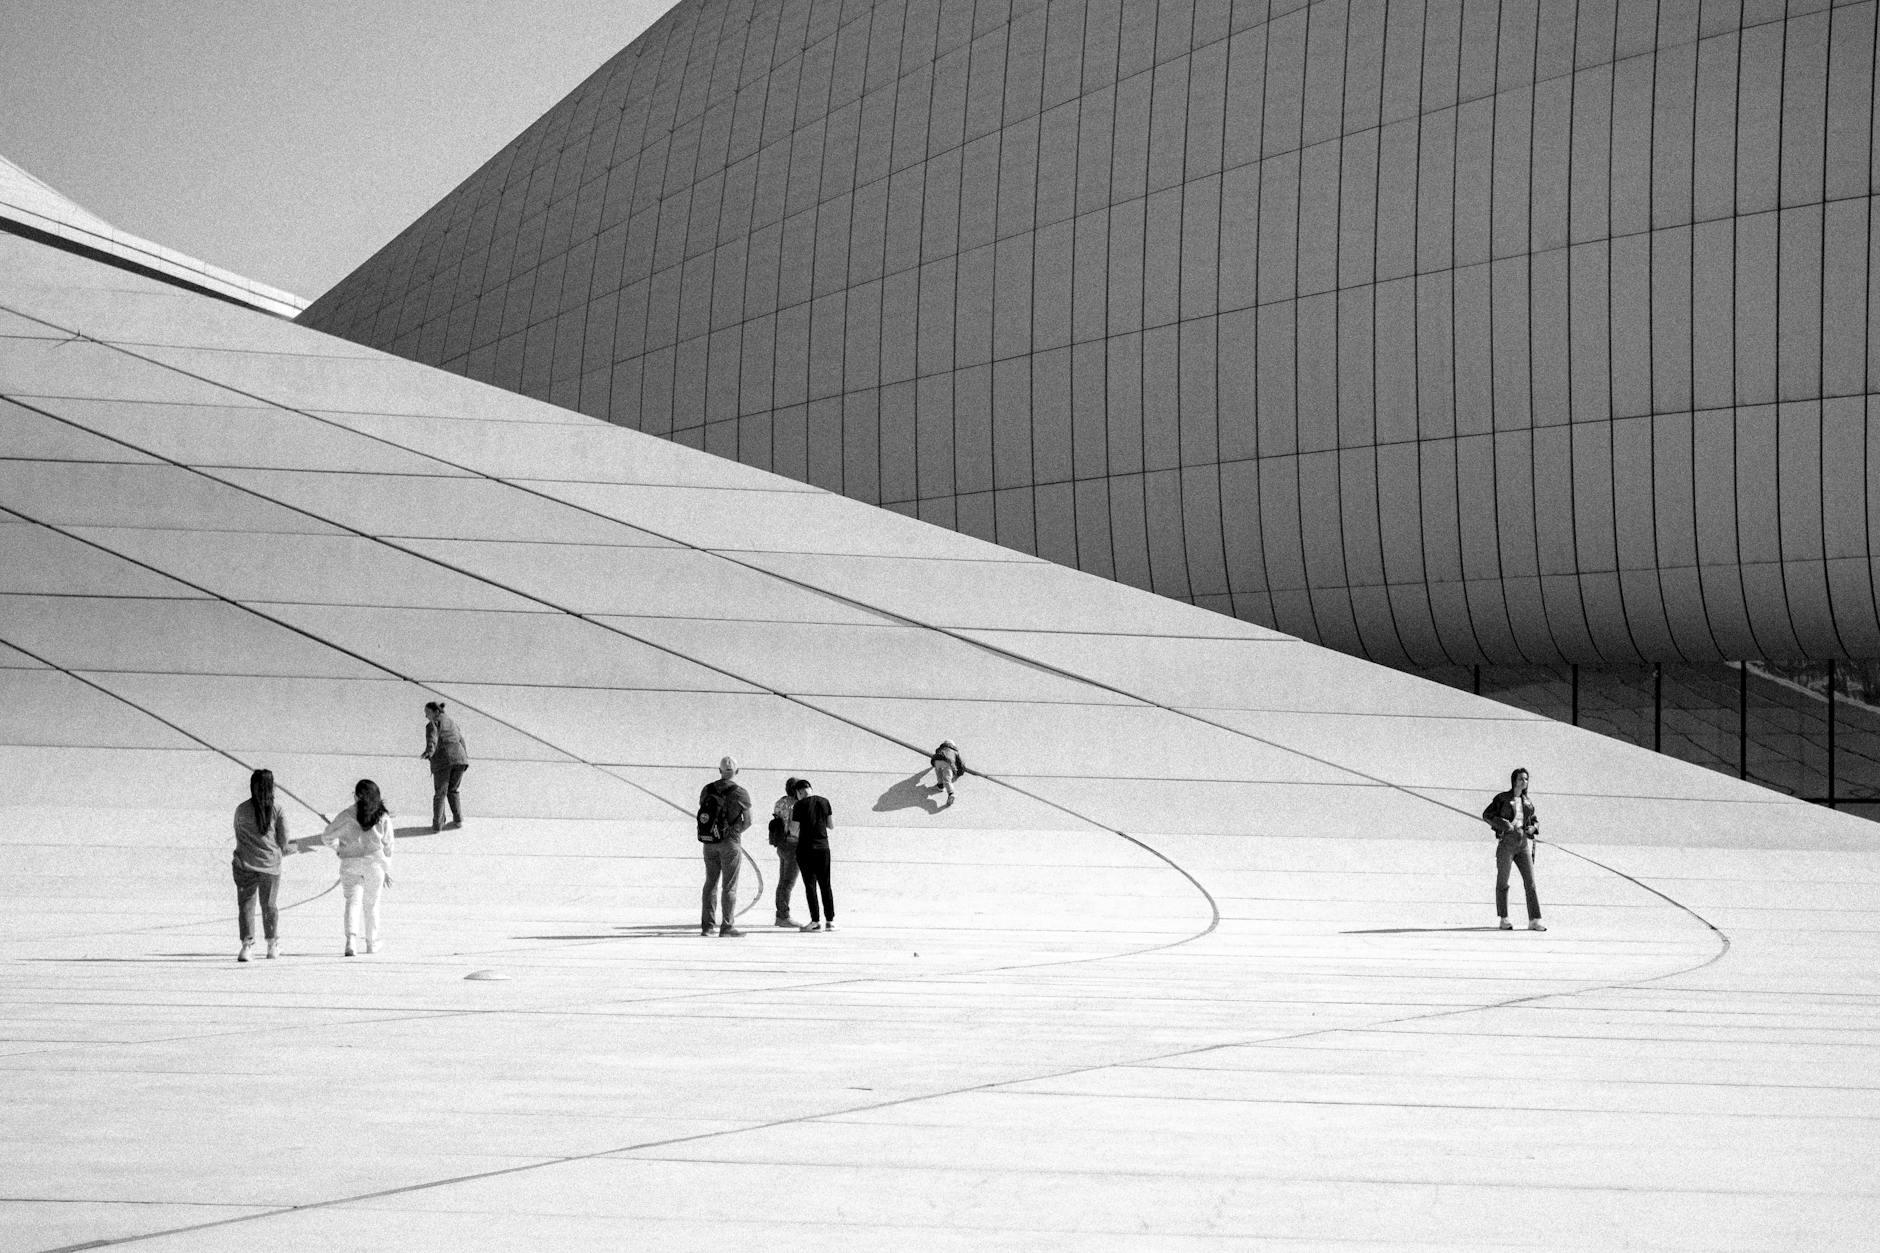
(362, 836)
(260, 843)
(444, 749)
(783, 838)
(814, 819)
(948, 765)
(1516, 826)
(724, 812)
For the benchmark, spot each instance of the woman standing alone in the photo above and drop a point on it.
(362, 836)
(260, 843)
(1516, 825)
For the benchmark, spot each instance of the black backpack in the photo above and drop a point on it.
(718, 815)
(711, 817)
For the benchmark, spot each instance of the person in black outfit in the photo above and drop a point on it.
(1516, 825)
(813, 819)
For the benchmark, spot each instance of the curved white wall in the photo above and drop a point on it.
(1446, 332)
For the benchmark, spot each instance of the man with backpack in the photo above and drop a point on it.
(724, 811)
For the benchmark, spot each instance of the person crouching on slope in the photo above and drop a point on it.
(948, 765)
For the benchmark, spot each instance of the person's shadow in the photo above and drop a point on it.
(911, 793)
(1414, 930)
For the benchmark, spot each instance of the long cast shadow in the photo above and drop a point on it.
(1414, 930)
(134, 961)
(909, 793)
(637, 931)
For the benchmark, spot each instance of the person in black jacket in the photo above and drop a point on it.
(813, 819)
(1516, 825)
(724, 811)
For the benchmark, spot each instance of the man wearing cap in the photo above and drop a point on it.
(729, 808)
(783, 838)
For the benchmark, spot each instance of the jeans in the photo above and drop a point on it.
(1513, 850)
(250, 884)
(786, 878)
(444, 781)
(360, 881)
(722, 862)
(814, 862)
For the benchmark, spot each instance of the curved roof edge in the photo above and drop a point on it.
(28, 206)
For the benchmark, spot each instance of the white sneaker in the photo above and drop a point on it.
(243, 955)
(830, 925)
(274, 949)
(811, 926)
(1536, 925)
(1506, 925)
(372, 946)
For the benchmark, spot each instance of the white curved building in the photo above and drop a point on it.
(1203, 956)
(1449, 334)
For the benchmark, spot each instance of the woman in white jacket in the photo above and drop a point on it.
(362, 836)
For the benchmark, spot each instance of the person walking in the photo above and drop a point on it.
(783, 836)
(444, 749)
(948, 765)
(814, 820)
(1516, 825)
(724, 812)
(260, 843)
(362, 836)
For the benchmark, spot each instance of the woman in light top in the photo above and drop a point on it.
(260, 843)
(783, 839)
(362, 836)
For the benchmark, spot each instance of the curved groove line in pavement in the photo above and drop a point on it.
(326, 643)
(1717, 932)
(873, 1106)
(1214, 916)
(1213, 906)
(190, 735)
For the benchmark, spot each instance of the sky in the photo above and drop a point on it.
(285, 140)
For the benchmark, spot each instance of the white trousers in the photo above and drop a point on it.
(361, 880)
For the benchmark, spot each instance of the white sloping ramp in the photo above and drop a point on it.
(1200, 958)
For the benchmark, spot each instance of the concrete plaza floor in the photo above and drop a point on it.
(1203, 958)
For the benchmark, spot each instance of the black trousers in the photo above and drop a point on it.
(249, 885)
(814, 863)
(1513, 851)
(444, 781)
